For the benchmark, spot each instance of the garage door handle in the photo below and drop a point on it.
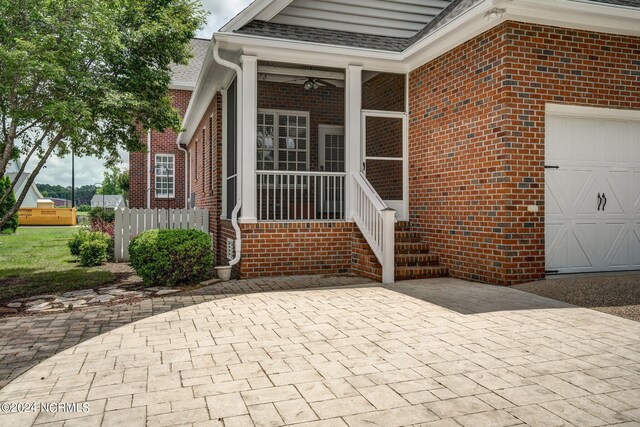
(599, 201)
(605, 201)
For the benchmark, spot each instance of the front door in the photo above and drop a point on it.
(384, 158)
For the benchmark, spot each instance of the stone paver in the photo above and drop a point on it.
(27, 341)
(439, 352)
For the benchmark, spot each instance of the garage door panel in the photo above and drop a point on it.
(557, 245)
(583, 140)
(616, 244)
(595, 155)
(616, 193)
(583, 182)
(617, 145)
(560, 144)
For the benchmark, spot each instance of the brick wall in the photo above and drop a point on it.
(205, 166)
(476, 139)
(161, 142)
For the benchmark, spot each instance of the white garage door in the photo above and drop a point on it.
(592, 192)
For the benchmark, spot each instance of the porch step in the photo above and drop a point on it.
(426, 272)
(416, 260)
(412, 247)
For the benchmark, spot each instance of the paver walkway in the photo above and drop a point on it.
(27, 341)
(432, 352)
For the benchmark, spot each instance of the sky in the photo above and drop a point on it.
(90, 170)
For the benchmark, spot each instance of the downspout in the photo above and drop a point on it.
(149, 169)
(234, 214)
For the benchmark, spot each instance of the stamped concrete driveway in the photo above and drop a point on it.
(435, 352)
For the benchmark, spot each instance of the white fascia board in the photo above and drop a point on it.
(176, 85)
(308, 53)
(552, 109)
(255, 10)
(203, 92)
(579, 15)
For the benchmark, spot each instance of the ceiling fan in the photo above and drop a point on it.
(312, 83)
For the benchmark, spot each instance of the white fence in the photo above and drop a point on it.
(131, 222)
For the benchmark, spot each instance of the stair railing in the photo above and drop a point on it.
(376, 221)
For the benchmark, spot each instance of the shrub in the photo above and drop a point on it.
(83, 236)
(12, 225)
(98, 213)
(93, 252)
(169, 257)
(84, 208)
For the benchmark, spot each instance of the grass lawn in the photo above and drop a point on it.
(36, 260)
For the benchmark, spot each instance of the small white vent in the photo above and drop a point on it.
(230, 249)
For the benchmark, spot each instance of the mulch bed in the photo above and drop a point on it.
(617, 294)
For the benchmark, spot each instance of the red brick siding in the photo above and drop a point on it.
(476, 139)
(276, 249)
(165, 143)
(205, 178)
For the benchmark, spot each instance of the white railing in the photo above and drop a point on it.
(300, 196)
(376, 221)
(131, 222)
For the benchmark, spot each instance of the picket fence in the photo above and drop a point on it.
(131, 222)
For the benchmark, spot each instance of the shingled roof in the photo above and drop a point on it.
(187, 75)
(368, 41)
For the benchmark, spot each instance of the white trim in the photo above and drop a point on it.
(224, 155)
(182, 86)
(352, 120)
(248, 101)
(252, 12)
(148, 195)
(595, 112)
(300, 72)
(155, 177)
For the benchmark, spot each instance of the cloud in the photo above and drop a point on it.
(88, 170)
(221, 12)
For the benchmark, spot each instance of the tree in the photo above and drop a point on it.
(88, 76)
(109, 182)
(11, 225)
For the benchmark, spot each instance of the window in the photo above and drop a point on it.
(203, 158)
(165, 175)
(195, 161)
(283, 140)
(331, 148)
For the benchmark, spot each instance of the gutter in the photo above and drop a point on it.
(234, 214)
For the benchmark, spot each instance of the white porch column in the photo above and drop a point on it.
(247, 146)
(352, 130)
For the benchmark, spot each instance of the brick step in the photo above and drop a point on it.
(407, 235)
(416, 260)
(427, 272)
(412, 248)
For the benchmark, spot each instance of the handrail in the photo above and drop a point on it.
(376, 221)
(300, 173)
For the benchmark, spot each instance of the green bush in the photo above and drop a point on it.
(83, 236)
(169, 257)
(84, 208)
(12, 225)
(100, 214)
(93, 252)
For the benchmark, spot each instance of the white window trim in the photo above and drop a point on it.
(323, 131)
(276, 131)
(171, 195)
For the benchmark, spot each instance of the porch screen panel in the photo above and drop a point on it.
(384, 156)
(266, 141)
(232, 148)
